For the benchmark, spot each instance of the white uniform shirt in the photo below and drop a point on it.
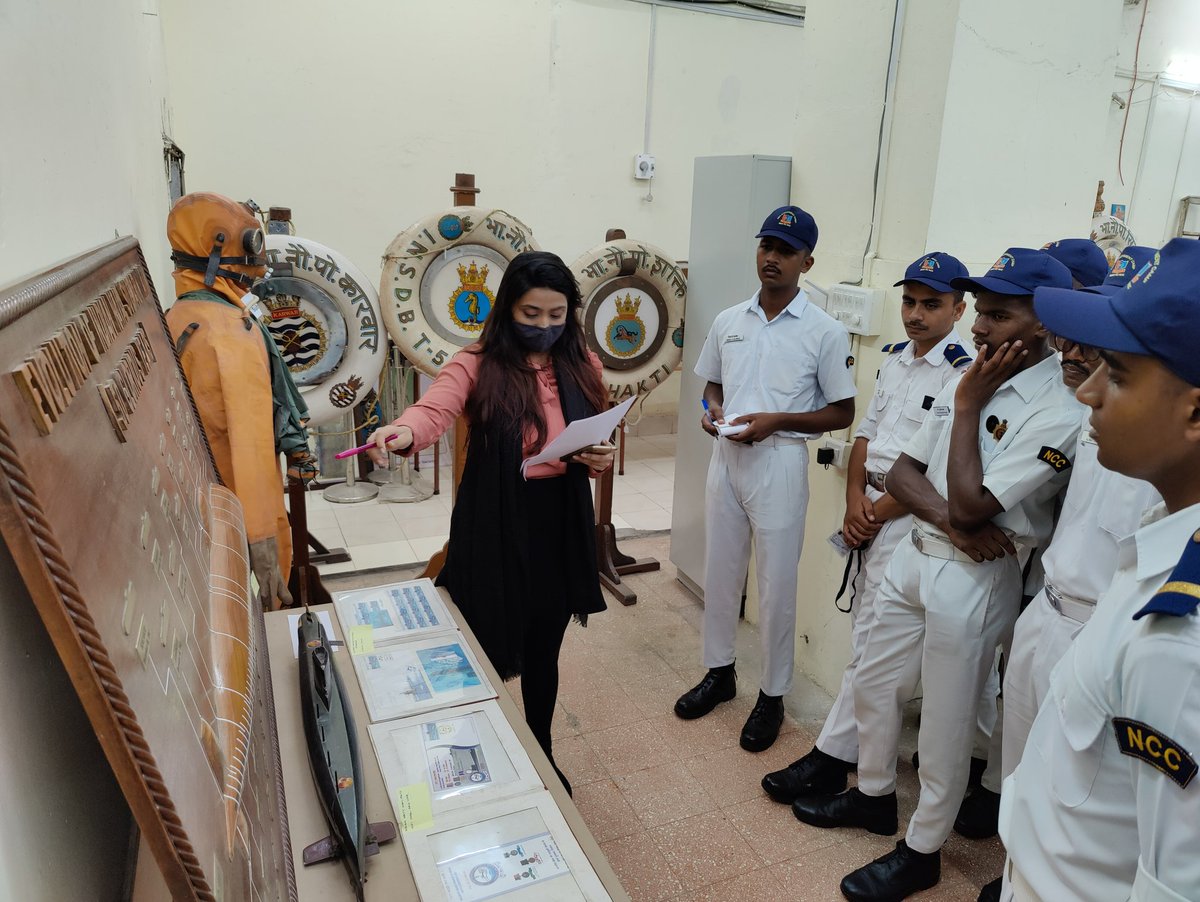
(904, 392)
(1099, 510)
(1081, 817)
(1041, 426)
(799, 362)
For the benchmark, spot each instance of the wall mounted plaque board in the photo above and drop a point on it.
(135, 558)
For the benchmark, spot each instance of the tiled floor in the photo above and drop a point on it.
(386, 534)
(676, 805)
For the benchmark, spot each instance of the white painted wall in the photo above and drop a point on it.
(1162, 164)
(83, 116)
(359, 119)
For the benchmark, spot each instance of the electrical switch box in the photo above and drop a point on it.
(643, 166)
(859, 309)
(839, 450)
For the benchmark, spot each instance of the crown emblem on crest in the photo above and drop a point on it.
(628, 306)
(473, 278)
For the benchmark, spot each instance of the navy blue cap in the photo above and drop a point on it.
(935, 270)
(1157, 314)
(792, 225)
(1131, 260)
(1019, 271)
(1083, 257)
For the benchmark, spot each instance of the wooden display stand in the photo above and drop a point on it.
(389, 875)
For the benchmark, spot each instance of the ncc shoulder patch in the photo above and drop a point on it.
(1055, 458)
(1164, 754)
(957, 356)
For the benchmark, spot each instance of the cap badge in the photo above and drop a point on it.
(787, 219)
(1005, 261)
(1144, 274)
(1122, 265)
(929, 264)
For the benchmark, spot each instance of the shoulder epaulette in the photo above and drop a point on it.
(895, 348)
(957, 356)
(1180, 595)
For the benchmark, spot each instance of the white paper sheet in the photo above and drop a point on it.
(579, 434)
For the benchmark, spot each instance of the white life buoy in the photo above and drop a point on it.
(440, 277)
(633, 303)
(1112, 236)
(325, 319)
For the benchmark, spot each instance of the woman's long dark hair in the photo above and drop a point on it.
(506, 390)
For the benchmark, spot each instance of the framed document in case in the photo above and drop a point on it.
(519, 848)
(394, 611)
(447, 760)
(421, 674)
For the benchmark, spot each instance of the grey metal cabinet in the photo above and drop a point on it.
(731, 196)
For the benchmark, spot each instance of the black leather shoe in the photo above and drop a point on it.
(876, 814)
(895, 876)
(978, 766)
(979, 814)
(815, 774)
(762, 726)
(719, 685)
(991, 892)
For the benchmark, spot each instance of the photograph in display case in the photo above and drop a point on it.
(446, 760)
(423, 674)
(518, 848)
(394, 611)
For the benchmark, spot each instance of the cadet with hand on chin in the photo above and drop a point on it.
(912, 374)
(980, 476)
(779, 366)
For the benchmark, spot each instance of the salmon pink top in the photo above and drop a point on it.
(446, 399)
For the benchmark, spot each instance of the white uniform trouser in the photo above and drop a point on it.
(1040, 639)
(839, 735)
(939, 620)
(760, 490)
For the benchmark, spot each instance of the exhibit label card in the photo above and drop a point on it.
(407, 677)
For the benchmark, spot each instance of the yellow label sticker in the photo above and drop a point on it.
(414, 807)
(362, 639)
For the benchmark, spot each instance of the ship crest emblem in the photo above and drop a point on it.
(625, 334)
(300, 335)
(471, 301)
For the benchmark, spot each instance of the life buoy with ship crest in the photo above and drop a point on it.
(325, 319)
(440, 277)
(633, 305)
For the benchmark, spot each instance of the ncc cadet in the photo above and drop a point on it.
(1105, 804)
(781, 366)
(1083, 257)
(1099, 509)
(913, 373)
(980, 476)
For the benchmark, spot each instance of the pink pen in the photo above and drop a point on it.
(351, 452)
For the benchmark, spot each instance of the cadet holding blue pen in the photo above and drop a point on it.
(712, 412)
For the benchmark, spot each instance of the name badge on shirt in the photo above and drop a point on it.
(1141, 741)
(729, 338)
(940, 411)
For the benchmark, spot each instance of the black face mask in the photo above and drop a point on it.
(535, 338)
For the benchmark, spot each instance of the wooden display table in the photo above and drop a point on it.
(389, 874)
